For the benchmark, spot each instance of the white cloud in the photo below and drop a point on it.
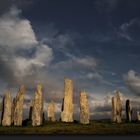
(17, 35)
(77, 63)
(94, 76)
(132, 80)
(129, 30)
(86, 61)
(16, 32)
(42, 58)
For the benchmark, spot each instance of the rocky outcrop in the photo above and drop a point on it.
(37, 110)
(116, 108)
(18, 108)
(51, 111)
(128, 111)
(67, 112)
(7, 109)
(84, 109)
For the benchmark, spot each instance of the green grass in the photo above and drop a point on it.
(95, 127)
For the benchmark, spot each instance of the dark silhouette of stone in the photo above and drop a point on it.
(138, 116)
(128, 111)
(30, 110)
(13, 108)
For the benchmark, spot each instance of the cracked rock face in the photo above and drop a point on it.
(84, 109)
(128, 111)
(116, 108)
(37, 110)
(51, 111)
(7, 109)
(67, 112)
(18, 107)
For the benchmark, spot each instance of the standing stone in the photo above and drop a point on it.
(138, 115)
(37, 111)
(116, 108)
(84, 109)
(7, 109)
(13, 108)
(18, 110)
(43, 118)
(51, 111)
(31, 110)
(67, 112)
(128, 111)
(1, 108)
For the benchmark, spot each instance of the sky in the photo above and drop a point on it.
(96, 43)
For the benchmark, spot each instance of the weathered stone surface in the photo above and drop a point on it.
(37, 110)
(18, 109)
(67, 112)
(7, 109)
(51, 111)
(113, 109)
(116, 108)
(13, 108)
(128, 111)
(1, 111)
(84, 109)
(138, 115)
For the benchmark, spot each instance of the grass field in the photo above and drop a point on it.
(95, 128)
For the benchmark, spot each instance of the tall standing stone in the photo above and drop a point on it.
(7, 109)
(128, 111)
(67, 112)
(84, 109)
(18, 110)
(138, 115)
(37, 111)
(13, 108)
(51, 111)
(116, 108)
(31, 110)
(1, 110)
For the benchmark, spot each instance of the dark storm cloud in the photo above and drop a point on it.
(106, 6)
(102, 108)
(6, 72)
